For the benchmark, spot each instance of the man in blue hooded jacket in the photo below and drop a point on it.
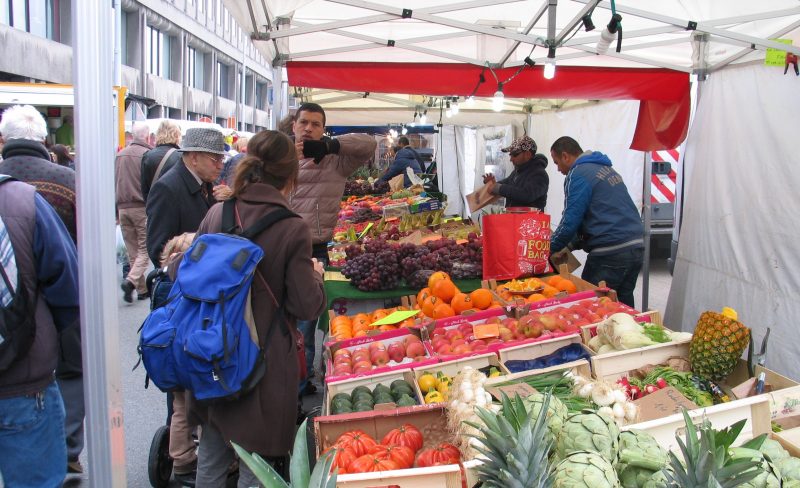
(599, 217)
(406, 157)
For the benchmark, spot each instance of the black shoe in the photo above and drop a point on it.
(142, 296)
(127, 289)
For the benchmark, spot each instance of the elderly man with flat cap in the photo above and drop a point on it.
(179, 200)
(527, 185)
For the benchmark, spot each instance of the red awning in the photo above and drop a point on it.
(663, 122)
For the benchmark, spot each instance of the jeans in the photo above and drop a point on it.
(33, 450)
(72, 395)
(619, 271)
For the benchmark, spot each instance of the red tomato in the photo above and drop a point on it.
(444, 453)
(357, 441)
(403, 456)
(343, 458)
(405, 435)
(369, 463)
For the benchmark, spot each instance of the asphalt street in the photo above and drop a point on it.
(145, 410)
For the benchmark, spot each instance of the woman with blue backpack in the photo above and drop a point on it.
(287, 287)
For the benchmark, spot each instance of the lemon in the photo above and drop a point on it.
(427, 382)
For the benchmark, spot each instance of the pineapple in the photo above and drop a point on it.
(706, 459)
(516, 446)
(717, 344)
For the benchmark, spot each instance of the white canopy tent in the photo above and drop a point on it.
(697, 37)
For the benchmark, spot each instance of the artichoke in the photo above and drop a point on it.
(556, 412)
(789, 468)
(588, 432)
(770, 476)
(583, 469)
(657, 480)
(640, 457)
(774, 450)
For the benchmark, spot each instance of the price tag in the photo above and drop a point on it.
(485, 331)
(396, 317)
(524, 390)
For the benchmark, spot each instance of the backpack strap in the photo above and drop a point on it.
(230, 223)
(160, 167)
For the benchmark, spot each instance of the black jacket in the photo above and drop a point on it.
(150, 161)
(527, 185)
(175, 205)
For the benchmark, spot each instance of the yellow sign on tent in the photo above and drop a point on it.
(776, 57)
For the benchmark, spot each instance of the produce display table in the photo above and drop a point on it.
(336, 289)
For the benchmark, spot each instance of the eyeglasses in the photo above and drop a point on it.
(217, 159)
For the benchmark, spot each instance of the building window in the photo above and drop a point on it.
(222, 80)
(157, 52)
(39, 17)
(194, 65)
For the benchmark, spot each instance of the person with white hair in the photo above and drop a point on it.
(26, 158)
(131, 211)
(163, 157)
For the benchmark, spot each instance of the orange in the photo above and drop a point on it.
(481, 298)
(407, 322)
(379, 314)
(553, 280)
(436, 276)
(442, 311)
(341, 320)
(423, 294)
(536, 297)
(361, 322)
(550, 291)
(428, 305)
(567, 286)
(360, 333)
(445, 290)
(461, 302)
(495, 305)
(387, 327)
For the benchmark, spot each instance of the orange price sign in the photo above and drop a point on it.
(485, 331)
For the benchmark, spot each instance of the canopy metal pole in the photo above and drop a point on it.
(93, 61)
(277, 112)
(646, 214)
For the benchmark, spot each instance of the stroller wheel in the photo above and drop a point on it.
(159, 464)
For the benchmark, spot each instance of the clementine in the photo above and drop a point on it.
(481, 298)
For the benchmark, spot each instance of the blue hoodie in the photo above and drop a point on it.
(405, 158)
(598, 210)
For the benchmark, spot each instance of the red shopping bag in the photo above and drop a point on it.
(516, 244)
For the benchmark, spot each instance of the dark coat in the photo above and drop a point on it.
(263, 421)
(405, 158)
(175, 205)
(527, 185)
(150, 162)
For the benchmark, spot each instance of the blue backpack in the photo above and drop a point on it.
(203, 338)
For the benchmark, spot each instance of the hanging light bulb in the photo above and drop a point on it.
(609, 34)
(414, 121)
(550, 64)
(393, 133)
(423, 119)
(470, 101)
(449, 111)
(499, 99)
(405, 130)
(454, 107)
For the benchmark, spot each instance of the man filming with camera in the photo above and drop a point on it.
(325, 165)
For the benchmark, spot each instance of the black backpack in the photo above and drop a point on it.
(17, 324)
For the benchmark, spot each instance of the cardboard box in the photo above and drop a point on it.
(386, 379)
(355, 343)
(431, 420)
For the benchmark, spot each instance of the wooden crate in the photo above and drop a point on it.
(740, 375)
(611, 366)
(755, 410)
(452, 368)
(789, 439)
(580, 367)
(431, 420)
(347, 386)
(537, 349)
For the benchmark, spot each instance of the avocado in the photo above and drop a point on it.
(362, 407)
(384, 398)
(341, 396)
(358, 389)
(341, 409)
(406, 401)
(381, 388)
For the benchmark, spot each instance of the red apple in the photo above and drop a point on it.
(415, 349)
(506, 334)
(462, 349)
(439, 331)
(343, 360)
(492, 320)
(454, 334)
(457, 342)
(362, 367)
(550, 321)
(376, 346)
(342, 353)
(396, 351)
(438, 342)
(410, 338)
(479, 347)
(465, 329)
(444, 350)
(380, 357)
(418, 359)
(493, 340)
(342, 370)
